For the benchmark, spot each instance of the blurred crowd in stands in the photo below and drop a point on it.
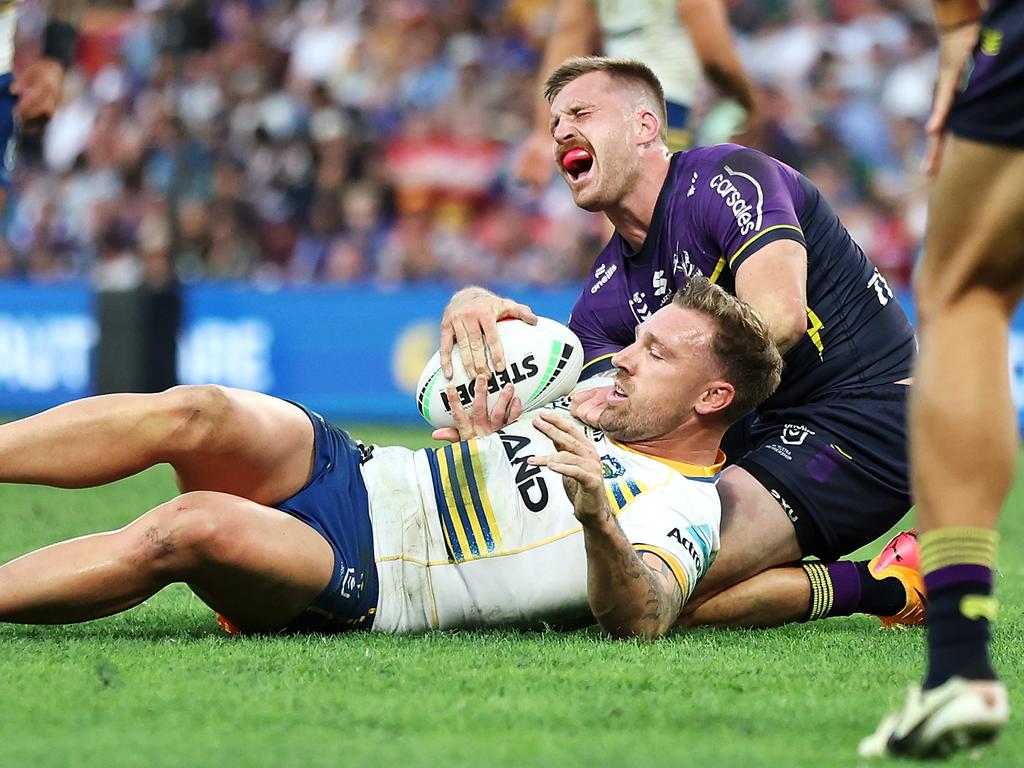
(334, 141)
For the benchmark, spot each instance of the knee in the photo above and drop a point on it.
(196, 414)
(181, 536)
(937, 291)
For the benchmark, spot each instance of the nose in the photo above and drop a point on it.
(564, 129)
(623, 359)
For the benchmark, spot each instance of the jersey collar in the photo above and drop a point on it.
(687, 470)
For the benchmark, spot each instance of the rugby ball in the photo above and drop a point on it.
(542, 361)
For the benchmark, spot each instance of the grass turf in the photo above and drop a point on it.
(162, 686)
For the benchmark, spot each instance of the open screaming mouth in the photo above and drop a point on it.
(577, 162)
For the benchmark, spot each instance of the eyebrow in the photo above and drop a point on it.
(574, 109)
(650, 340)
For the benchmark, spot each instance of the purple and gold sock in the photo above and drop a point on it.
(844, 588)
(957, 564)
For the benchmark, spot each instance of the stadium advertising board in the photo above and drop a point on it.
(352, 353)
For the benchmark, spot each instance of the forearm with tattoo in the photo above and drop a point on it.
(630, 595)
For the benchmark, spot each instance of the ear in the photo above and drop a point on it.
(716, 398)
(648, 127)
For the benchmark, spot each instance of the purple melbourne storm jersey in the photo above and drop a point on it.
(718, 207)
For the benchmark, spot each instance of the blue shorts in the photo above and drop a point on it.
(838, 466)
(334, 503)
(990, 108)
(8, 137)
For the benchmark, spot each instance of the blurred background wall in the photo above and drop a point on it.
(302, 183)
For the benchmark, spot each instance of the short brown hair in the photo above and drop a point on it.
(620, 69)
(743, 345)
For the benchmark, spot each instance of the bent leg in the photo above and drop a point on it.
(216, 438)
(770, 598)
(738, 589)
(257, 565)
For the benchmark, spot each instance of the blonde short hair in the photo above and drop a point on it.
(630, 70)
(742, 345)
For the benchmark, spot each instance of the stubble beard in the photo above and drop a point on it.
(626, 426)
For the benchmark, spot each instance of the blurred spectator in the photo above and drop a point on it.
(349, 140)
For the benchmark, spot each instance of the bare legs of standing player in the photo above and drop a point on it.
(963, 440)
(233, 451)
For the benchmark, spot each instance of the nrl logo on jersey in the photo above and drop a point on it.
(602, 275)
(730, 187)
(638, 303)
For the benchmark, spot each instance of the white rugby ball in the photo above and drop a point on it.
(542, 361)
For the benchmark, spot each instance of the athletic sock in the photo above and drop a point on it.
(957, 565)
(845, 587)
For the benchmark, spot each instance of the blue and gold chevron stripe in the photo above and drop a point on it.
(463, 507)
(621, 491)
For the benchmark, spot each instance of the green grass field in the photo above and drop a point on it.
(162, 686)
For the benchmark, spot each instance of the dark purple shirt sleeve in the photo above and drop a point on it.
(598, 344)
(749, 202)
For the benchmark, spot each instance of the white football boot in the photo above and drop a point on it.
(960, 714)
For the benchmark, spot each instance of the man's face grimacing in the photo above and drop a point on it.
(599, 126)
(668, 378)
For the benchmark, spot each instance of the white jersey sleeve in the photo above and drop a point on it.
(678, 522)
(8, 27)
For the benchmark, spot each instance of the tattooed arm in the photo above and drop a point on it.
(631, 595)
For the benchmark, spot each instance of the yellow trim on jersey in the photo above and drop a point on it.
(688, 470)
(487, 556)
(814, 331)
(465, 494)
(671, 561)
(594, 362)
(732, 259)
(448, 484)
(840, 451)
(621, 491)
(467, 504)
(718, 270)
(485, 500)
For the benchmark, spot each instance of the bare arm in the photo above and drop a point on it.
(774, 282)
(575, 31)
(708, 25)
(471, 320)
(630, 595)
(40, 85)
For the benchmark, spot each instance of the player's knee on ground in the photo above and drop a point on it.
(186, 533)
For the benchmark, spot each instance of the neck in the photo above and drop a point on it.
(690, 444)
(632, 215)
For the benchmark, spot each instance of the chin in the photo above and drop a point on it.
(589, 203)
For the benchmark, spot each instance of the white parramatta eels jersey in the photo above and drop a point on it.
(471, 535)
(8, 26)
(652, 32)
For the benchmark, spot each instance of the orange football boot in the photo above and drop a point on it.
(901, 559)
